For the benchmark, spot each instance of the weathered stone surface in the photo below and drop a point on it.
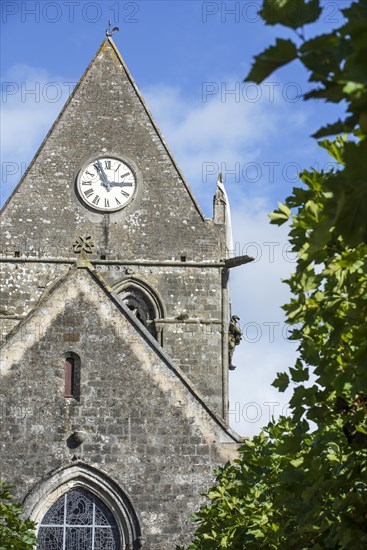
(142, 421)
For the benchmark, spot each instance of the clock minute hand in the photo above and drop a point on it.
(102, 174)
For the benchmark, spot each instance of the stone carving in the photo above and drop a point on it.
(234, 338)
(84, 244)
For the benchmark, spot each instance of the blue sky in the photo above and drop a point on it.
(189, 59)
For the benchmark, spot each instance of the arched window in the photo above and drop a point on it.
(81, 508)
(78, 520)
(144, 302)
(141, 306)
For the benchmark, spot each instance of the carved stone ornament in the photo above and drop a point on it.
(84, 244)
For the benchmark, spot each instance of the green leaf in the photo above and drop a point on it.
(283, 208)
(297, 462)
(281, 215)
(290, 13)
(271, 59)
(281, 382)
(299, 373)
(338, 127)
(15, 531)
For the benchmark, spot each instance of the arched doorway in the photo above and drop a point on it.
(78, 520)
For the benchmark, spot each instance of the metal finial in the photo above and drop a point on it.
(109, 31)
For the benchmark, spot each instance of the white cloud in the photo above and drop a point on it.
(31, 100)
(214, 131)
(257, 295)
(234, 132)
(253, 400)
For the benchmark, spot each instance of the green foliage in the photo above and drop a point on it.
(337, 61)
(15, 533)
(296, 487)
(271, 59)
(290, 14)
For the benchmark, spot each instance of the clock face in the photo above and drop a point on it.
(106, 184)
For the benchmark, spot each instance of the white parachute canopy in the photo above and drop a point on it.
(229, 236)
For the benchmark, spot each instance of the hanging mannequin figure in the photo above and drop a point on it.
(234, 338)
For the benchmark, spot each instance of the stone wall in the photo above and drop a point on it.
(191, 329)
(144, 425)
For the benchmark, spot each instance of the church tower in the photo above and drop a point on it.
(114, 321)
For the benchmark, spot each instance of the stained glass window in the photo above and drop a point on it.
(78, 521)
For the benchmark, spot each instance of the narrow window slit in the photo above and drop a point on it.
(69, 377)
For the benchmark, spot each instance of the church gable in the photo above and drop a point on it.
(127, 411)
(106, 121)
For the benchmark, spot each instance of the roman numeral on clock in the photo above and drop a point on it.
(96, 200)
(124, 193)
(117, 201)
(86, 183)
(106, 203)
(88, 193)
(107, 164)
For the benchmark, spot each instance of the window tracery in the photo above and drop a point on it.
(78, 520)
(141, 306)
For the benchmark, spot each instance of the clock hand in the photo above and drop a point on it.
(102, 174)
(120, 184)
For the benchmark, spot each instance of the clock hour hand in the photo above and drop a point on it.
(120, 184)
(102, 174)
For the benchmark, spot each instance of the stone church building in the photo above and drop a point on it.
(114, 318)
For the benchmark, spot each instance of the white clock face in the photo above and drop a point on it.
(106, 184)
